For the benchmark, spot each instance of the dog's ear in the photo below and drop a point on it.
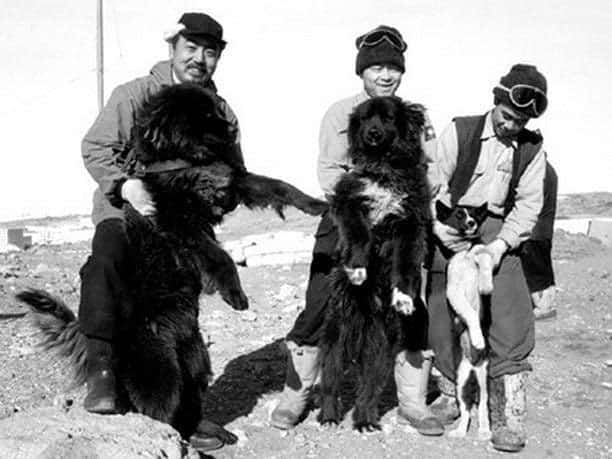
(442, 211)
(353, 128)
(480, 213)
(414, 119)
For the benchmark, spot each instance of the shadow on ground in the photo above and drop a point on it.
(245, 379)
(250, 376)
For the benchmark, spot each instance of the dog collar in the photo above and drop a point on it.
(161, 166)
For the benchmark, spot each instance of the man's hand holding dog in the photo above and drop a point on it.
(134, 192)
(451, 238)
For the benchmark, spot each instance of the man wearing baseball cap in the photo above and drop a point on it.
(494, 159)
(380, 64)
(196, 44)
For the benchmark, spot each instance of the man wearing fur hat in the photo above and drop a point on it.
(196, 45)
(494, 159)
(380, 65)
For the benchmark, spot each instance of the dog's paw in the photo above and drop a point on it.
(356, 276)
(477, 340)
(484, 434)
(485, 282)
(367, 427)
(402, 302)
(457, 433)
(236, 299)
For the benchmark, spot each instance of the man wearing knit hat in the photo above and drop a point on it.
(380, 65)
(494, 159)
(196, 44)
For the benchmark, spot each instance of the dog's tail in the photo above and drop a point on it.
(59, 327)
(258, 191)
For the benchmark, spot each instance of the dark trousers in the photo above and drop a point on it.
(537, 264)
(105, 302)
(510, 323)
(309, 323)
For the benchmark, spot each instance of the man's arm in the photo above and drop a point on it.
(231, 117)
(446, 153)
(105, 148)
(521, 220)
(333, 143)
(106, 144)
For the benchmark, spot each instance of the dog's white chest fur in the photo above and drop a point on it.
(383, 201)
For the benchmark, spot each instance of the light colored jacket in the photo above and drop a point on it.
(108, 143)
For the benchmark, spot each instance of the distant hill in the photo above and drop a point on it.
(596, 204)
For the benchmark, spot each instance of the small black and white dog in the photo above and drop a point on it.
(469, 276)
(381, 209)
(186, 157)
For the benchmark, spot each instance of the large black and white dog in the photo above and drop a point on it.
(186, 158)
(381, 209)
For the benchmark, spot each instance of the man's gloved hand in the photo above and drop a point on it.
(134, 192)
(497, 248)
(450, 237)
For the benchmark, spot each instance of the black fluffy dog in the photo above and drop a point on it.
(381, 208)
(185, 155)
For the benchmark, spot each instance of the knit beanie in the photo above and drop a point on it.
(520, 74)
(380, 53)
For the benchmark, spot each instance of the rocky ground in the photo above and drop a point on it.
(570, 390)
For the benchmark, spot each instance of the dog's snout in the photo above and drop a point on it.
(375, 134)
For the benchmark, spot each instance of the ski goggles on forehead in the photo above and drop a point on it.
(524, 95)
(378, 36)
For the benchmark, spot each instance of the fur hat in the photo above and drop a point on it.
(197, 27)
(375, 50)
(520, 74)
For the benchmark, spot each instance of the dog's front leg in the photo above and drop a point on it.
(355, 241)
(219, 266)
(408, 256)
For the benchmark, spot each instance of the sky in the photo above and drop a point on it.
(286, 62)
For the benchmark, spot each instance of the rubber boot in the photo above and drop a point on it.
(444, 407)
(302, 373)
(507, 410)
(101, 395)
(411, 373)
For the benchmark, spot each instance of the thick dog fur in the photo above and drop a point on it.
(381, 209)
(469, 276)
(162, 363)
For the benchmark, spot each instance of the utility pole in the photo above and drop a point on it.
(100, 56)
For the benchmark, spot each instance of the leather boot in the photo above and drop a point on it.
(302, 373)
(507, 410)
(411, 373)
(101, 395)
(444, 407)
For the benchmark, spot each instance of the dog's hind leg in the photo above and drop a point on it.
(196, 369)
(152, 376)
(484, 429)
(331, 358)
(374, 369)
(463, 373)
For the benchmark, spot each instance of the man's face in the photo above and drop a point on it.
(381, 80)
(194, 62)
(507, 122)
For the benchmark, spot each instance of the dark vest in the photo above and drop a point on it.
(469, 130)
